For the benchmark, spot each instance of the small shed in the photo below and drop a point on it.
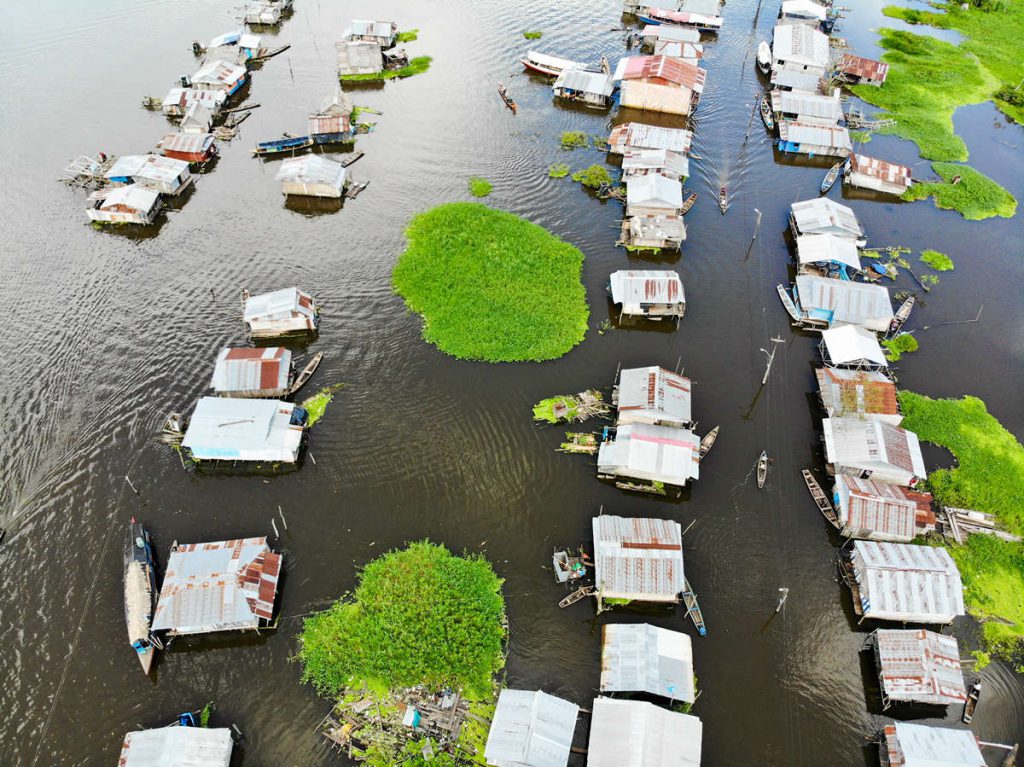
(872, 449)
(917, 665)
(853, 348)
(265, 430)
(263, 13)
(918, 745)
(814, 139)
(808, 108)
(653, 232)
(800, 48)
(178, 100)
(653, 195)
(824, 216)
(861, 71)
(221, 586)
(826, 302)
(654, 33)
(827, 252)
(878, 175)
(248, 372)
(530, 729)
(907, 583)
(162, 174)
(874, 511)
(633, 733)
(280, 313)
(359, 58)
(312, 175)
(198, 119)
(654, 395)
(228, 38)
(638, 657)
(190, 147)
(131, 204)
(643, 162)
(332, 123)
(650, 294)
(219, 76)
(802, 12)
(864, 393)
(641, 136)
(594, 88)
(382, 33)
(177, 747)
(663, 455)
(638, 559)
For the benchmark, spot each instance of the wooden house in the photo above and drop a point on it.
(257, 430)
(247, 372)
(130, 204)
(871, 449)
(653, 295)
(382, 33)
(190, 147)
(653, 195)
(814, 139)
(280, 313)
(653, 232)
(861, 71)
(312, 175)
(633, 135)
(161, 174)
(591, 88)
(359, 58)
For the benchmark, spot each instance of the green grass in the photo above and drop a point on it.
(993, 574)
(316, 405)
(535, 34)
(592, 177)
(896, 347)
(492, 286)
(574, 139)
(479, 186)
(415, 66)
(940, 262)
(419, 615)
(407, 37)
(976, 196)
(558, 170)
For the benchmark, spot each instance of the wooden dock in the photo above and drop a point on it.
(824, 505)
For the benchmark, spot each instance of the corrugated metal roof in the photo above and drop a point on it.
(653, 394)
(197, 143)
(177, 747)
(244, 430)
(903, 582)
(851, 345)
(671, 33)
(797, 79)
(636, 288)
(637, 558)
(652, 97)
(638, 161)
(889, 172)
(800, 44)
(699, 20)
(869, 441)
(530, 729)
(690, 52)
(642, 136)
(657, 228)
(219, 73)
(311, 169)
(130, 196)
(825, 216)
(833, 136)
(243, 369)
(919, 665)
(218, 586)
(632, 733)
(700, 7)
(857, 392)
(228, 38)
(359, 57)
(804, 9)
(183, 98)
(587, 82)
(676, 71)
(654, 191)
(366, 28)
(827, 249)
(918, 745)
(150, 167)
(250, 41)
(880, 508)
(842, 302)
(858, 66)
(654, 453)
(279, 305)
(638, 657)
(805, 105)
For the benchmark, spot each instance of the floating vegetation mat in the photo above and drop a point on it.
(479, 186)
(579, 442)
(593, 177)
(416, 66)
(535, 34)
(974, 194)
(407, 37)
(896, 347)
(574, 139)
(940, 262)
(558, 170)
(316, 405)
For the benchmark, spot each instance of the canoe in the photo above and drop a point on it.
(787, 301)
(762, 469)
(723, 200)
(693, 608)
(140, 593)
(764, 57)
(307, 373)
(688, 203)
(707, 443)
(821, 500)
(830, 177)
(766, 113)
(281, 145)
(576, 596)
(972, 702)
(503, 92)
(901, 316)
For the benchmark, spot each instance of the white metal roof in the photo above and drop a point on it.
(795, 78)
(278, 304)
(812, 105)
(250, 41)
(654, 453)
(638, 558)
(675, 163)
(825, 216)
(243, 429)
(850, 344)
(652, 394)
(588, 82)
(806, 9)
(654, 191)
(228, 38)
(367, 28)
(904, 582)
(131, 196)
(530, 729)
(918, 745)
(834, 136)
(639, 657)
(152, 167)
(919, 665)
(177, 747)
(827, 248)
(642, 136)
(635, 288)
(631, 733)
(843, 302)
(312, 169)
(800, 44)
(672, 33)
(867, 442)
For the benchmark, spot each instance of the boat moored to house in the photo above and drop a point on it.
(824, 302)
(802, 12)
(190, 147)
(653, 195)
(639, 657)
(653, 295)
(219, 76)
(262, 430)
(825, 216)
(814, 139)
(254, 373)
(545, 64)
(283, 312)
(657, 456)
(312, 175)
(852, 348)
(878, 175)
(357, 57)
(653, 395)
(530, 729)
(635, 732)
(140, 594)
(633, 135)
(177, 746)
(871, 449)
(918, 666)
(864, 393)
(382, 33)
(861, 71)
(131, 204)
(161, 174)
(591, 88)
(905, 744)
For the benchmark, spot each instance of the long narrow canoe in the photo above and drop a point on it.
(693, 608)
(766, 113)
(820, 499)
(830, 177)
(901, 316)
(707, 443)
(688, 203)
(787, 301)
(762, 468)
(576, 596)
(139, 593)
(281, 145)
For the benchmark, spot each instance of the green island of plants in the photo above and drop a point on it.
(989, 477)
(534, 34)
(407, 37)
(415, 66)
(592, 177)
(940, 262)
(479, 186)
(316, 405)
(574, 139)
(975, 196)
(896, 347)
(558, 170)
(492, 286)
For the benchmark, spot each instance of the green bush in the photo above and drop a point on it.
(975, 196)
(480, 187)
(592, 177)
(898, 346)
(574, 139)
(558, 170)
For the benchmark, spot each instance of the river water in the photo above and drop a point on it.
(107, 332)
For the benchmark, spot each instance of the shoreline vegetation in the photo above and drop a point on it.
(492, 286)
(975, 196)
(988, 477)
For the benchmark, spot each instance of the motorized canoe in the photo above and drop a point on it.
(283, 145)
(830, 177)
(707, 443)
(762, 469)
(901, 316)
(723, 200)
(766, 113)
(764, 57)
(972, 702)
(140, 593)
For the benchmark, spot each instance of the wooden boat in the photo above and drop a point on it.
(568, 568)
(503, 92)
(551, 66)
(762, 469)
(830, 177)
(972, 702)
(577, 595)
(723, 200)
(354, 190)
(282, 145)
(140, 593)
(787, 301)
(707, 443)
(766, 113)
(901, 316)
(351, 158)
(306, 374)
(579, 442)
(822, 501)
(688, 203)
(693, 608)
(764, 57)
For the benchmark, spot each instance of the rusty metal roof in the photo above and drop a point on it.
(191, 143)
(850, 392)
(642, 136)
(919, 665)
(241, 370)
(653, 394)
(890, 172)
(904, 582)
(637, 558)
(868, 69)
(675, 71)
(219, 73)
(638, 657)
(869, 508)
(646, 287)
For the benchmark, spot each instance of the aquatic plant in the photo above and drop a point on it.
(860, 136)
(981, 659)
(940, 262)
(558, 170)
(975, 196)
(479, 186)
(415, 66)
(316, 405)
(204, 715)
(533, 35)
(896, 347)
(600, 142)
(419, 615)
(992, 571)
(592, 177)
(545, 409)
(407, 37)
(492, 286)
(573, 139)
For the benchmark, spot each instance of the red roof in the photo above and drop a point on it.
(666, 68)
(887, 171)
(867, 69)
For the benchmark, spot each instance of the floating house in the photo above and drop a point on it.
(178, 100)
(382, 33)
(644, 162)
(878, 175)
(661, 455)
(190, 147)
(814, 139)
(802, 12)
(161, 174)
(638, 559)
(177, 746)
(861, 71)
(640, 136)
(796, 80)
(824, 302)
(699, 21)
(654, 395)
(920, 666)
(853, 348)
(652, 34)
(221, 586)
(825, 216)
(653, 195)
(312, 175)
(799, 48)
(552, 66)
(638, 657)
(662, 71)
(904, 582)
(633, 733)
(266, 14)
(827, 254)
(653, 232)
(918, 745)
(219, 76)
(808, 108)
(131, 204)
(265, 430)
(872, 449)
(863, 393)
(359, 58)
(246, 372)
(673, 100)
(592, 88)
(333, 124)
(280, 313)
(198, 119)
(875, 511)
(653, 295)
(530, 729)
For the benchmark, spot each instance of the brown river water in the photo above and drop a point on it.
(107, 332)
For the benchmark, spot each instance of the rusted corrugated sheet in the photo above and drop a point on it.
(876, 507)
(866, 69)
(638, 558)
(919, 665)
(245, 370)
(669, 70)
(845, 392)
(904, 582)
(889, 172)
